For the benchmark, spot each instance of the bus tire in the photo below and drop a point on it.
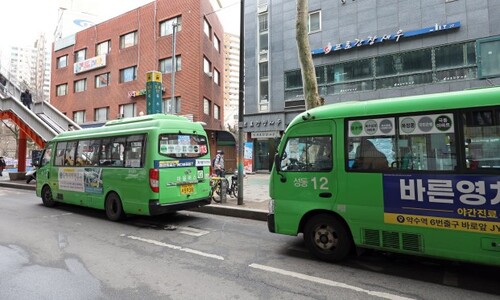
(47, 199)
(114, 208)
(327, 238)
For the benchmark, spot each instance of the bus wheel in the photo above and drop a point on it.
(327, 238)
(47, 197)
(114, 208)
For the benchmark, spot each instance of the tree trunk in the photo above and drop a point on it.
(309, 83)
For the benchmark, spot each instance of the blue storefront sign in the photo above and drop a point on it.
(372, 40)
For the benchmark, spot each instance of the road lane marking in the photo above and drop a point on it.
(174, 247)
(192, 231)
(328, 282)
(59, 215)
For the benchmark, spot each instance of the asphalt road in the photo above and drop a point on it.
(71, 252)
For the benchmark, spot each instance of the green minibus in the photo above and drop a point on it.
(416, 175)
(146, 165)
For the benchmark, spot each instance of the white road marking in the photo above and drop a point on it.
(174, 247)
(328, 282)
(193, 231)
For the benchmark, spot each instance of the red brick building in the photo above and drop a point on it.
(100, 73)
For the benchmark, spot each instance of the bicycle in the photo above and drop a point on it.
(233, 188)
(216, 186)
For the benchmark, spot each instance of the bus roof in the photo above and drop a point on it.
(135, 124)
(429, 102)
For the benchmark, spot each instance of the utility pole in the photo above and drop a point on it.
(241, 102)
(172, 87)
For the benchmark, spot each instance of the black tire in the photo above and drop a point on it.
(114, 208)
(47, 199)
(327, 238)
(29, 179)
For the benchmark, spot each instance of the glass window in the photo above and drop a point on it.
(166, 27)
(404, 80)
(415, 61)
(60, 152)
(263, 42)
(103, 48)
(62, 61)
(80, 55)
(182, 145)
(112, 152)
(314, 22)
(263, 23)
(207, 65)
(87, 153)
(69, 153)
(206, 106)
(482, 139)
(133, 151)
(80, 85)
(489, 62)
(128, 74)
(62, 89)
(216, 43)
(216, 112)
(263, 70)
(167, 105)
(128, 40)
(264, 90)
(216, 76)
(79, 117)
(166, 64)
(128, 110)
(293, 79)
(308, 154)
(101, 114)
(354, 70)
(207, 28)
(102, 80)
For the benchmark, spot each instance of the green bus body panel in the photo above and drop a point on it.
(358, 197)
(132, 184)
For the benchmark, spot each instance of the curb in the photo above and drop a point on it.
(215, 209)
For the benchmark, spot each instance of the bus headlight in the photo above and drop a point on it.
(271, 206)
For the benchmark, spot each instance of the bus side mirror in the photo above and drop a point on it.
(277, 165)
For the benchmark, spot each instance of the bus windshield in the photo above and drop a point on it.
(182, 145)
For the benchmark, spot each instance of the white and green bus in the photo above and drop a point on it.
(147, 165)
(416, 175)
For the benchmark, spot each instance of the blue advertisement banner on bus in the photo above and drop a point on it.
(457, 202)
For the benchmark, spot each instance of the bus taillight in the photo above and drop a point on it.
(154, 180)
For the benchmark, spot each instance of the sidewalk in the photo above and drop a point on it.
(255, 197)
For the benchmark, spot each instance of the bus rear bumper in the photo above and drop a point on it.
(155, 208)
(270, 223)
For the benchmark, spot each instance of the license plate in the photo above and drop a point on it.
(187, 189)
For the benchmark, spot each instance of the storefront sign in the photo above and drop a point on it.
(90, 64)
(371, 40)
(265, 134)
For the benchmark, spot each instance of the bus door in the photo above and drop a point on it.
(305, 169)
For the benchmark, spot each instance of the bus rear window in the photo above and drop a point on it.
(182, 145)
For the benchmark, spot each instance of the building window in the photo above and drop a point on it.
(127, 110)
(489, 57)
(128, 74)
(206, 106)
(79, 116)
(166, 64)
(80, 85)
(102, 80)
(216, 112)
(314, 21)
(167, 105)
(101, 114)
(207, 29)
(103, 48)
(128, 40)
(62, 61)
(166, 27)
(62, 89)
(216, 43)
(80, 55)
(207, 66)
(216, 77)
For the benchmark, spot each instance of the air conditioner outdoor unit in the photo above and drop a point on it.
(210, 74)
